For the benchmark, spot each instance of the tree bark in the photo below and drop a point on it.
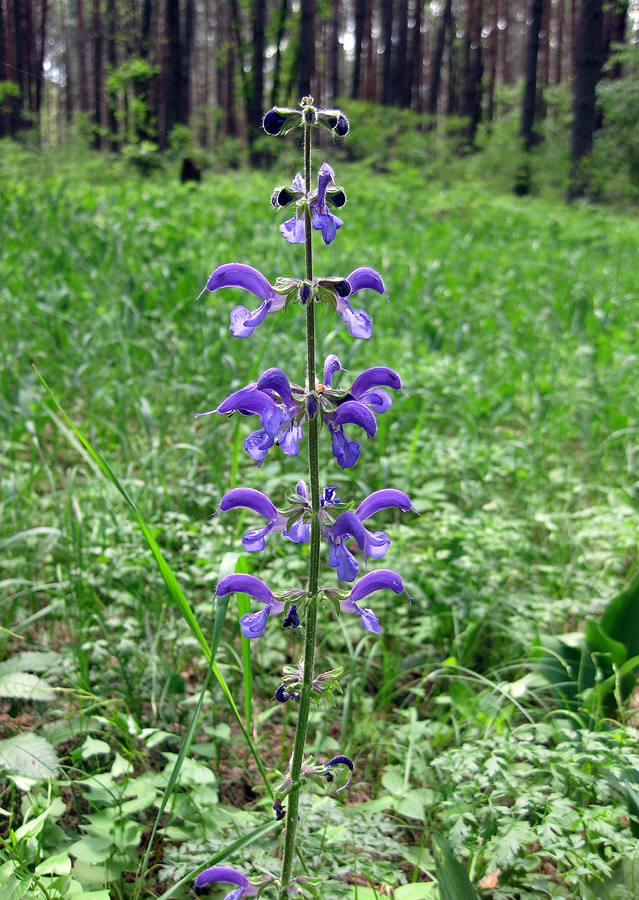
(112, 59)
(335, 51)
(401, 58)
(588, 64)
(256, 98)
(387, 60)
(530, 88)
(42, 40)
(491, 59)
(97, 76)
(186, 64)
(306, 53)
(173, 66)
(82, 57)
(436, 65)
(277, 69)
(360, 16)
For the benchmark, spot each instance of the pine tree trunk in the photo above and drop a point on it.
(401, 59)
(360, 17)
(559, 50)
(530, 88)
(387, 62)
(112, 59)
(436, 65)
(96, 26)
(277, 69)
(42, 40)
(306, 53)
(588, 64)
(335, 51)
(83, 78)
(256, 99)
(491, 59)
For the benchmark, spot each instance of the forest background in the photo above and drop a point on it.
(499, 709)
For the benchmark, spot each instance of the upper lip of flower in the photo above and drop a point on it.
(227, 875)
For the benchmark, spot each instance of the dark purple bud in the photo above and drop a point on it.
(312, 406)
(342, 288)
(282, 695)
(309, 115)
(280, 812)
(336, 198)
(282, 197)
(273, 122)
(291, 620)
(304, 293)
(341, 126)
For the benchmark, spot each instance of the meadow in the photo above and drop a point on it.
(514, 325)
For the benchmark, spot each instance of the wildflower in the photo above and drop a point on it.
(244, 322)
(282, 408)
(282, 695)
(228, 876)
(359, 322)
(322, 219)
(259, 503)
(282, 119)
(381, 580)
(339, 761)
(254, 624)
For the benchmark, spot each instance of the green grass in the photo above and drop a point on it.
(514, 326)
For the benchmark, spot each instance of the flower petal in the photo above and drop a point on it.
(246, 584)
(251, 499)
(294, 230)
(331, 366)
(325, 176)
(359, 322)
(385, 499)
(365, 277)
(342, 560)
(227, 875)
(242, 276)
(275, 380)
(342, 761)
(371, 543)
(253, 625)
(345, 452)
(368, 620)
(381, 580)
(244, 322)
(355, 413)
(327, 223)
(378, 376)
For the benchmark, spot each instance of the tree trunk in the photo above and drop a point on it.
(4, 118)
(530, 88)
(97, 76)
(387, 61)
(491, 59)
(558, 72)
(112, 99)
(401, 58)
(306, 54)
(472, 69)
(186, 64)
(436, 65)
(173, 66)
(256, 99)
(413, 82)
(277, 70)
(42, 40)
(83, 78)
(335, 51)
(588, 63)
(360, 16)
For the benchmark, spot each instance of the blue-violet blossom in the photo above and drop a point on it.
(381, 580)
(254, 624)
(337, 529)
(244, 322)
(322, 219)
(229, 876)
(281, 408)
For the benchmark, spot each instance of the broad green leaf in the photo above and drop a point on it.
(24, 686)
(91, 849)
(29, 756)
(59, 864)
(422, 890)
(452, 878)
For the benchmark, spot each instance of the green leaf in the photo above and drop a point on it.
(24, 686)
(620, 619)
(422, 890)
(452, 878)
(58, 864)
(28, 755)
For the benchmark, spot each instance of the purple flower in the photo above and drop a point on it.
(322, 219)
(252, 624)
(249, 498)
(359, 322)
(228, 876)
(339, 761)
(280, 418)
(354, 407)
(244, 322)
(381, 580)
(348, 526)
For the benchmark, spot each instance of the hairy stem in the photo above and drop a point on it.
(310, 621)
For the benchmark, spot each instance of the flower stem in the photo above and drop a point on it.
(310, 621)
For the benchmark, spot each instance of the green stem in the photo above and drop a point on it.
(310, 621)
